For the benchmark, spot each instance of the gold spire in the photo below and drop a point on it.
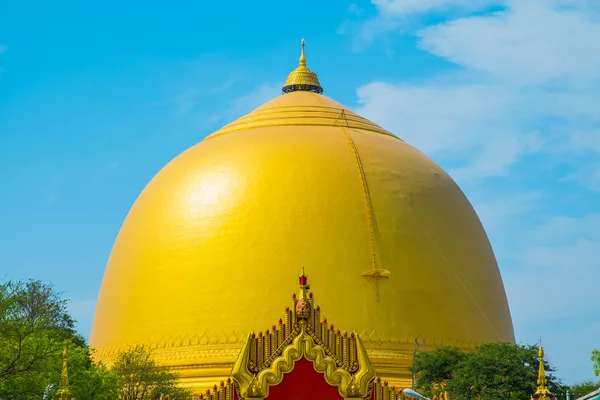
(302, 56)
(302, 78)
(542, 392)
(64, 391)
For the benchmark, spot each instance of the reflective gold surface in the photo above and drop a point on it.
(212, 247)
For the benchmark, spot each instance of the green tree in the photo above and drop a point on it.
(34, 326)
(596, 361)
(140, 378)
(490, 372)
(89, 380)
(34, 330)
(583, 388)
(437, 368)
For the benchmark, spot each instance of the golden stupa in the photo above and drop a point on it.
(212, 247)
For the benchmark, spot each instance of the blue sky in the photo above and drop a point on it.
(504, 94)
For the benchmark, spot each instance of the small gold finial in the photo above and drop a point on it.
(542, 392)
(64, 391)
(302, 56)
(302, 78)
(303, 284)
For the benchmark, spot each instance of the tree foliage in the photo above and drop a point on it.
(89, 380)
(141, 378)
(35, 327)
(437, 368)
(596, 361)
(492, 371)
(583, 388)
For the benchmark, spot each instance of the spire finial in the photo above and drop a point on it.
(64, 392)
(302, 78)
(302, 56)
(542, 392)
(303, 308)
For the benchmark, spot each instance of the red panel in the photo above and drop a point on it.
(304, 383)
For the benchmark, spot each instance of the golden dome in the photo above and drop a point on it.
(211, 249)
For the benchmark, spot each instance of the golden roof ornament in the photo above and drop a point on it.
(303, 306)
(542, 392)
(340, 357)
(64, 392)
(302, 78)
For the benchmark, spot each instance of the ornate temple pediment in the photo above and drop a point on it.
(270, 357)
(266, 358)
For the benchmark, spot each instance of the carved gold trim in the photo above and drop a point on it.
(383, 391)
(257, 385)
(378, 344)
(225, 391)
(347, 361)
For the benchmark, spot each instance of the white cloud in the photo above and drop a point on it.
(551, 289)
(401, 15)
(243, 104)
(529, 42)
(248, 102)
(355, 9)
(188, 100)
(533, 63)
(581, 141)
(2, 50)
(480, 125)
(560, 264)
(588, 176)
(550, 273)
(563, 230)
(495, 214)
(185, 102)
(431, 117)
(207, 93)
(398, 7)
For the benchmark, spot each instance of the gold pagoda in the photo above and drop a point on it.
(210, 251)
